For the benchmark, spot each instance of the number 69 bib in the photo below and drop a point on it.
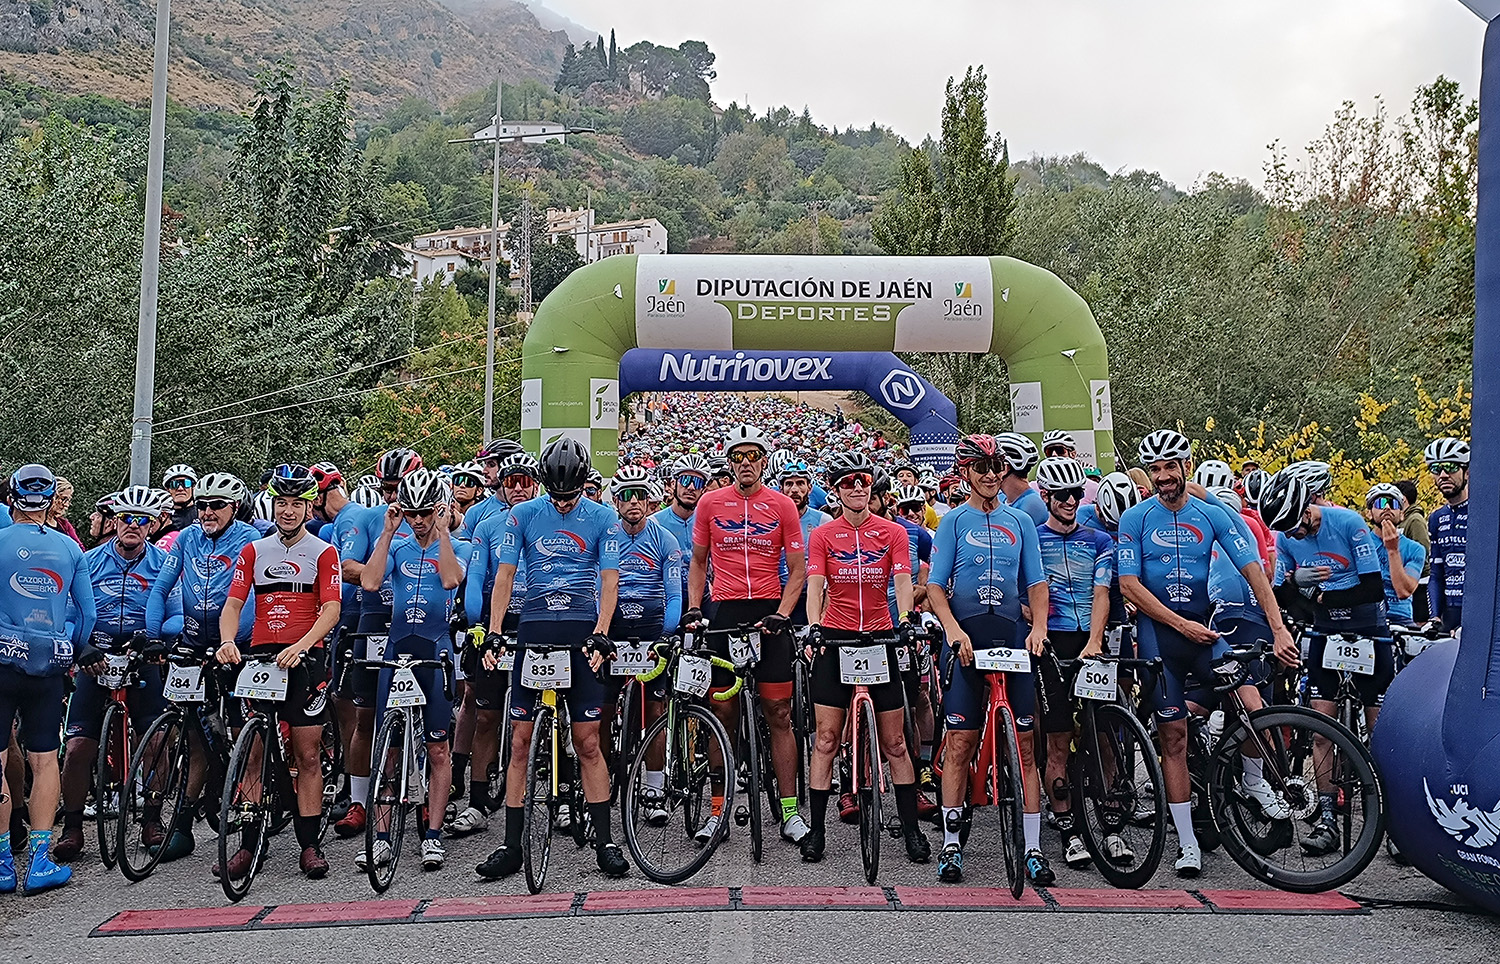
(261, 681)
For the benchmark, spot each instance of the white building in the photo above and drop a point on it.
(529, 131)
(595, 241)
(427, 263)
(473, 241)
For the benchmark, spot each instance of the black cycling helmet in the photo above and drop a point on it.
(292, 481)
(499, 449)
(841, 464)
(565, 467)
(882, 482)
(1283, 501)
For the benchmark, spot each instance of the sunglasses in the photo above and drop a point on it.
(861, 480)
(464, 479)
(1056, 450)
(417, 513)
(752, 456)
(134, 519)
(518, 481)
(1384, 502)
(1446, 468)
(626, 495)
(1068, 495)
(214, 505)
(955, 499)
(691, 481)
(180, 484)
(591, 490)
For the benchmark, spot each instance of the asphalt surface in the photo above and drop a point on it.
(56, 926)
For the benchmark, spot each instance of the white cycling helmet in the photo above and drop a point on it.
(1164, 445)
(264, 506)
(220, 485)
(1446, 450)
(930, 483)
(1385, 490)
(633, 475)
(1056, 437)
(1019, 452)
(1226, 495)
(779, 460)
(369, 482)
(1117, 492)
(746, 435)
(907, 494)
(365, 495)
(1214, 474)
(1254, 483)
(180, 471)
(140, 499)
(1059, 472)
(422, 489)
(1317, 475)
(1284, 500)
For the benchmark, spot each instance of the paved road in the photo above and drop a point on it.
(55, 927)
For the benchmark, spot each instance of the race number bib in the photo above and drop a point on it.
(113, 676)
(375, 646)
(507, 662)
(184, 684)
(1097, 680)
(745, 649)
(1002, 660)
(693, 675)
(405, 691)
(863, 665)
(903, 658)
(1350, 654)
(631, 658)
(547, 671)
(261, 681)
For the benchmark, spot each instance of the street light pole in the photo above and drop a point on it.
(145, 344)
(489, 335)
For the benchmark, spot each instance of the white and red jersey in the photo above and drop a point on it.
(746, 536)
(291, 584)
(858, 562)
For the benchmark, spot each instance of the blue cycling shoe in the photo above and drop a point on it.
(951, 864)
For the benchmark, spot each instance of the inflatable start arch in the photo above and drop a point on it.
(570, 369)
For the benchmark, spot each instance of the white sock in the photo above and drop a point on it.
(359, 789)
(656, 779)
(1031, 828)
(952, 818)
(1254, 770)
(1182, 818)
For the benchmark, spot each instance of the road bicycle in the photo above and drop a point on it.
(121, 674)
(549, 669)
(752, 735)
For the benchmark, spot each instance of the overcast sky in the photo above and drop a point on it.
(1184, 87)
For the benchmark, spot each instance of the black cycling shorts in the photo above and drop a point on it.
(828, 689)
(773, 674)
(38, 700)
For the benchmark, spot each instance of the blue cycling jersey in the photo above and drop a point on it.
(1343, 543)
(1413, 558)
(1448, 528)
(1169, 551)
(484, 558)
(919, 544)
(5, 518)
(810, 519)
(480, 511)
(650, 575)
(46, 600)
(681, 530)
(986, 561)
(1074, 563)
(348, 536)
(564, 555)
(201, 568)
(122, 587)
(375, 608)
(1032, 504)
(1229, 591)
(419, 603)
(1089, 516)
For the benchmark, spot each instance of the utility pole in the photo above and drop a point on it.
(489, 335)
(145, 339)
(525, 251)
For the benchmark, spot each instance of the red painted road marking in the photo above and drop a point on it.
(966, 898)
(1095, 898)
(811, 897)
(499, 905)
(360, 911)
(647, 901)
(1279, 902)
(207, 918)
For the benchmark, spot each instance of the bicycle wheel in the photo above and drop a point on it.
(1199, 750)
(750, 750)
(153, 794)
(1115, 775)
(386, 804)
(1010, 798)
(866, 752)
(1278, 852)
(661, 849)
(541, 807)
(626, 737)
(332, 755)
(246, 807)
(804, 724)
(109, 780)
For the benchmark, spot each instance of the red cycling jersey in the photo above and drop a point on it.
(745, 537)
(1265, 543)
(291, 584)
(859, 563)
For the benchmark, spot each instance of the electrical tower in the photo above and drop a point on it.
(524, 254)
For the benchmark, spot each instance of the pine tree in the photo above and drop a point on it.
(614, 53)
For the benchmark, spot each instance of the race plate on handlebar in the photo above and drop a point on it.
(864, 665)
(1350, 654)
(1002, 660)
(261, 681)
(404, 690)
(1097, 680)
(693, 675)
(547, 671)
(631, 658)
(185, 684)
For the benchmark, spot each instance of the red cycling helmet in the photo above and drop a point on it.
(328, 476)
(975, 448)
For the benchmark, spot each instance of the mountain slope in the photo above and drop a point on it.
(387, 49)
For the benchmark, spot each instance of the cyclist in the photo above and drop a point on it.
(47, 615)
(650, 601)
(571, 547)
(482, 712)
(1079, 563)
(742, 531)
(1330, 556)
(1019, 455)
(984, 556)
(182, 482)
(1059, 444)
(490, 456)
(794, 480)
(468, 489)
(199, 569)
(850, 562)
(1448, 530)
(122, 571)
(689, 479)
(1163, 553)
(295, 578)
(1403, 560)
(423, 571)
(593, 489)
(911, 505)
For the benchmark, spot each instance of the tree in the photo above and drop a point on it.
(614, 56)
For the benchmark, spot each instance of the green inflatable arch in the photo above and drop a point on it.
(1055, 353)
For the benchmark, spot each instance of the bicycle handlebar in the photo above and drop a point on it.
(664, 649)
(445, 664)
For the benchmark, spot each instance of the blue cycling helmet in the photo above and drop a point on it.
(32, 488)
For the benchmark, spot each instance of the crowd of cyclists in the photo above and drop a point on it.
(493, 575)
